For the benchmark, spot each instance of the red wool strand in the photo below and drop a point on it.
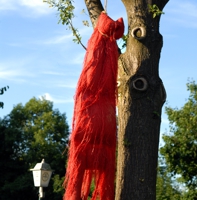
(93, 139)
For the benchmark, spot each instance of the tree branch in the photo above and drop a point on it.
(94, 7)
(160, 3)
(76, 35)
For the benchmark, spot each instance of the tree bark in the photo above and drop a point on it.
(141, 97)
(94, 7)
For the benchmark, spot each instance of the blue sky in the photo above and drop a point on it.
(39, 58)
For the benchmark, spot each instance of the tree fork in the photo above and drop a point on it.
(94, 7)
(141, 97)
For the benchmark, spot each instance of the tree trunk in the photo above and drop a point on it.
(141, 97)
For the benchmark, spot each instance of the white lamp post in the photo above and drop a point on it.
(41, 175)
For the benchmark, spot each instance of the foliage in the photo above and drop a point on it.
(155, 10)
(180, 149)
(66, 12)
(124, 38)
(2, 90)
(166, 188)
(27, 135)
(190, 194)
(85, 22)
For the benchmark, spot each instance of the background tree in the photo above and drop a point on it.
(166, 189)
(27, 135)
(141, 94)
(2, 90)
(180, 149)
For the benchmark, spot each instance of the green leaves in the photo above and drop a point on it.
(2, 90)
(165, 188)
(124, 38)
(28, 134)
(65, 8)
(66, 12)
(180, 149)
(86, 23)
(155, 10)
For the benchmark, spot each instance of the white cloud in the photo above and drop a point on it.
(70, 85)
(32, 3)
(58, 39)
(183, 13)
(54, 73)
(58, 100)
(31, 8)
(46, 96)
(15, 72)
(7, 5)
(78, 59)
(37, 6)
(187, 8)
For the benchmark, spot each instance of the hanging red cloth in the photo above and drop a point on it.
(93, 139)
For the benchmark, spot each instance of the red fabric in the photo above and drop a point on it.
(93, 139)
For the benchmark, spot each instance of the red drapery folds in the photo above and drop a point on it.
(93, 139)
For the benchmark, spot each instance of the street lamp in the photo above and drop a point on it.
(41, 175)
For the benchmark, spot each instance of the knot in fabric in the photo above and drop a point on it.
(110, 28)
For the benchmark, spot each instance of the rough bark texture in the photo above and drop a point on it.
(94, 8)
(141, 96)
